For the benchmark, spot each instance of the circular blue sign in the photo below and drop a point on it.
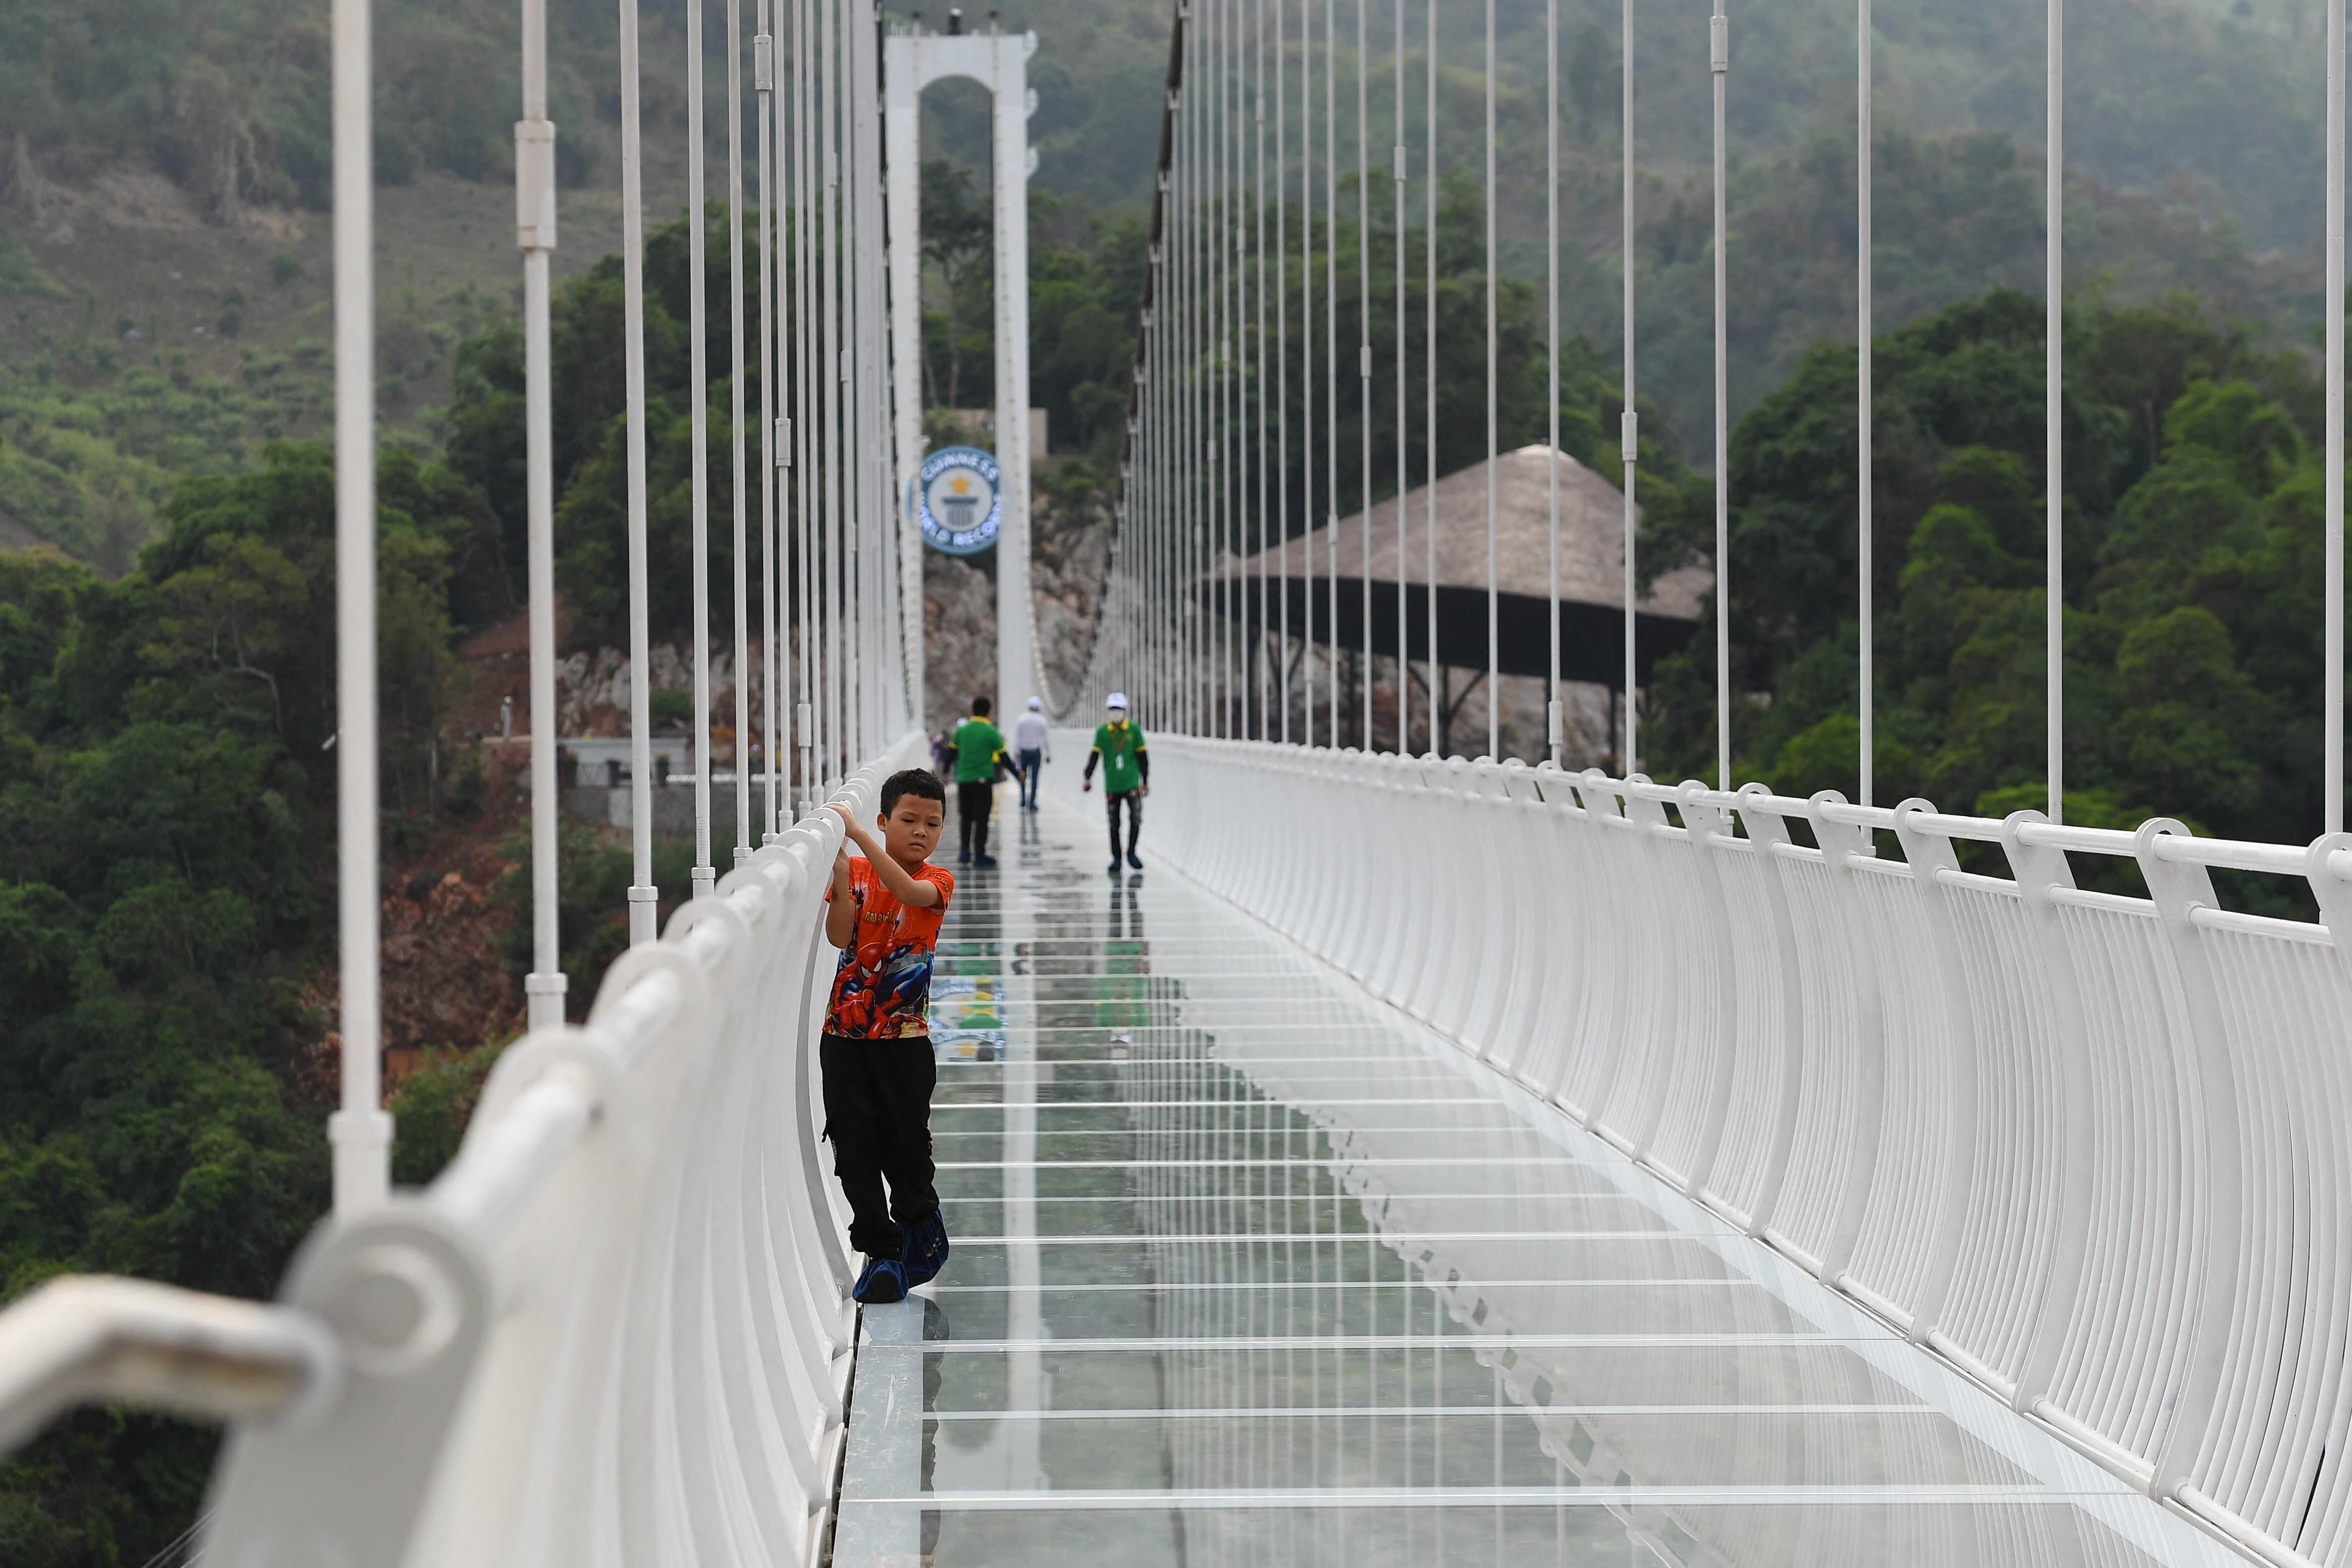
(956, 500)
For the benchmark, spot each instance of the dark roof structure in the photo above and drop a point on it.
(1592, 575)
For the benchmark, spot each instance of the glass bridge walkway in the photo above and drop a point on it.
(1248, 1270)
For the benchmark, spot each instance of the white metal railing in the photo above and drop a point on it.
(614, 1329)
(2094, 1150)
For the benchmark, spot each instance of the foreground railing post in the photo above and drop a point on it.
(1841, 844)
(2040, 871)
(1931, 856)
(1770, 834)
(1709, 826)
(2180, 889)
(410, 1303)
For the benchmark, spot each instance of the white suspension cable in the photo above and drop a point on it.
(535, 231)
(1364, 353)
(1629, 421)
(1307, 344)
(1429, 373)
(1555, 715)
(833, 448)
(1404, 636)
(2053, 457)
(870, 429)
(763, 82)
(1719, 65)
(641, 891)
(1265, 476)
(1235, 342)
(1494, 450)
(1331, 339)
(805, 426)
(1224, 429)
(1866, 332)
(1282, 379)
(1195, 394)
(735, 410)
(360, 1132)
(704, 876)
(2332, 769)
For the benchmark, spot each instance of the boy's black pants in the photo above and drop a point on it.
(974, 801)
(877, 1111)
(1133, 800)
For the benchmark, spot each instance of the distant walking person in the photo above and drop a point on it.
(1127, 776)
(1029, 742)
(979, 747)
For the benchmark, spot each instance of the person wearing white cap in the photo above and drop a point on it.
(1127, 776)
(1029, 742)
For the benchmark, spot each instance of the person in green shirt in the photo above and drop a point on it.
(979, 747)
(1127, 776)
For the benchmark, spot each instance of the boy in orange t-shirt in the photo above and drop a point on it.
(884, 914)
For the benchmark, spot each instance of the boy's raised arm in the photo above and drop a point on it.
(913, 891)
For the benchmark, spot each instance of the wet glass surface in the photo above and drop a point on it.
(1247, 1271)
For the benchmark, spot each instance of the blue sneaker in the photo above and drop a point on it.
(884, 1282)
(927, 1250)
(1135, 860)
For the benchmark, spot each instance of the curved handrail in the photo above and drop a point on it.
(2094, 1150)
(615, 1328)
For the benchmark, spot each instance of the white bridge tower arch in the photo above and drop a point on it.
(998, 61)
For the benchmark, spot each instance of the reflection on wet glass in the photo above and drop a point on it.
(1245, 1272)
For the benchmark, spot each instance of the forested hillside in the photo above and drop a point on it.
(2194, 507)
(162, 168)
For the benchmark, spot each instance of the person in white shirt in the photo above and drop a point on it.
(1029, 741)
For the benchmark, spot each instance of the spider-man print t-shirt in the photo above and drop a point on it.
(883, 988)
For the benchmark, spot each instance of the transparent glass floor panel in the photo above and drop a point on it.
(1567, 1528)
(1248, 1272)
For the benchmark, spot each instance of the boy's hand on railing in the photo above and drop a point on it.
(856, 835)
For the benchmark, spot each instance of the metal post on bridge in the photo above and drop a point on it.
(641, 891)
(535, 233)
(704, 876)
(361, 1132)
